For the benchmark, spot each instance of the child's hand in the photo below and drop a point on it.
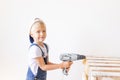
(70, 63)
(66, 64)
(66, 67)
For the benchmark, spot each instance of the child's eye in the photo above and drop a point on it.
(44, 31)
(38, 31)
(41, 31)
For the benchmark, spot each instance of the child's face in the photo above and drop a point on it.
(38, 32)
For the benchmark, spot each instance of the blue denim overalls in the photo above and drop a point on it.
(41, 75)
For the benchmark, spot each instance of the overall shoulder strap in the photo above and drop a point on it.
(33, 45)
(37, 46)
(46, 47)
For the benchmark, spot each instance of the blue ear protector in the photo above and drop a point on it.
(31, 39)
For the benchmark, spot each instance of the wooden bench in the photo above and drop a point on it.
(98, 67)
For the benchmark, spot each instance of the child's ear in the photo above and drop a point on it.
(31, 34)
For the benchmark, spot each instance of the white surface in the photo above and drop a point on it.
(90, 27)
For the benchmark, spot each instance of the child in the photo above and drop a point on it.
(38, 53)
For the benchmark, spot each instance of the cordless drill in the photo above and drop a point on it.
(70, 57)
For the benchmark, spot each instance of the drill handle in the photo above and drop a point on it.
(65, 72)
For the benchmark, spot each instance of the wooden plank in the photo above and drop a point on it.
(96, 73)
(97, 67)
(104, 68)
(102, 57)
(102, 61)
(103, 65)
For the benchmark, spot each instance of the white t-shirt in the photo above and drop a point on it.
(34, 52)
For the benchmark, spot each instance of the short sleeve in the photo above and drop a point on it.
(34, 52)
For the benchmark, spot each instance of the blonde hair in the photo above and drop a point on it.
(36, 21)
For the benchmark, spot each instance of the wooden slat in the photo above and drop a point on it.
(102, 67)
(102, 64)
(96, 73)
(103, 61)
(102, 57)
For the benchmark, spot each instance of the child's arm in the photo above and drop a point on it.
(51, 66)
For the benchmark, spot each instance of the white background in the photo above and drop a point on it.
(89, 27)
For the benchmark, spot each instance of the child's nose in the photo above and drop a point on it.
(41, 33)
